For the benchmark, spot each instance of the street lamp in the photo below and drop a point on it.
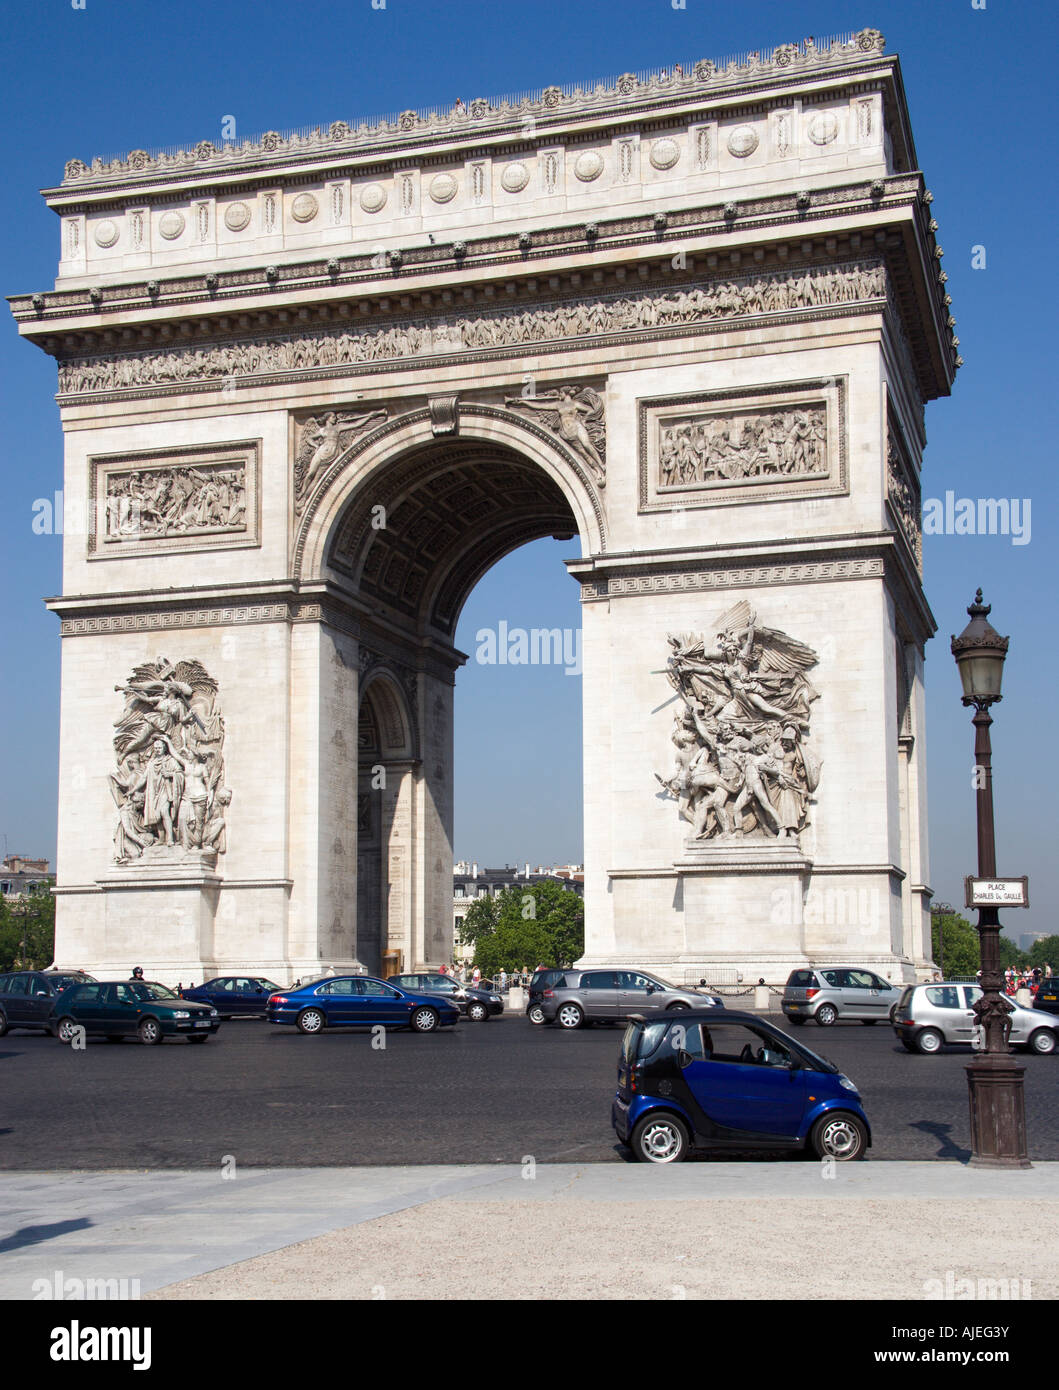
(994, 1078)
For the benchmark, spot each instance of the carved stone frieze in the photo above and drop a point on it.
(745, 767)
(753, 444)
(805, 289)
(203, 496)
(903, 495)
(706, 450)
(169, 782)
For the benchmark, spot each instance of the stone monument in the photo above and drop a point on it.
(313, 386)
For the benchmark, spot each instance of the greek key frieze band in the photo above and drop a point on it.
(691, 581)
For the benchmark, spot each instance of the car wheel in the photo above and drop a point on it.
(798, 1022)
(150, 1031)
(827, 1015)
(840, 1136)
(570, 1016)
(678, 1007)
(424, 1020)
(199, 1037)
(908, 1047)
(477, 1012)
(312, 1021)
(535, 1014)
(65, 1029)
(929, 1041)
(660, 1139)
(1042, 1041)
(3, 1025)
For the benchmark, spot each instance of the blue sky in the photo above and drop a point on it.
(121, 74)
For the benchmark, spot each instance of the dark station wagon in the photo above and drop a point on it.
(27, 996)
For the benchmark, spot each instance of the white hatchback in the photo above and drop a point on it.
(929, 1015)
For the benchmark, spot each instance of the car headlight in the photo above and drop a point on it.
(181, 1013)
(847, 1084)
(213, 1013)
(494, 999)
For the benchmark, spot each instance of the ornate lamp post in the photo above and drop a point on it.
(994, 1078)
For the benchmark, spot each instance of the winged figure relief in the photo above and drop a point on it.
(322, 440)
(575, 414)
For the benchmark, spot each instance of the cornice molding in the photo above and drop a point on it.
(412, 132)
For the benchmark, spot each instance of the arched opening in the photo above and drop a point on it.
(408, 544)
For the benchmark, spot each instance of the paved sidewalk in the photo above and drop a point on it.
(711, 1230)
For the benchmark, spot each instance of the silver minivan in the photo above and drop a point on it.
(591, 996)
(929, 1015)
(828, 993)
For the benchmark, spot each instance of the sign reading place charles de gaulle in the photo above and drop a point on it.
(997, 892)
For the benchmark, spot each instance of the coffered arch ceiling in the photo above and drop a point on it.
(452, 510)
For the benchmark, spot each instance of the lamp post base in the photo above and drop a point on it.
(998, 1112)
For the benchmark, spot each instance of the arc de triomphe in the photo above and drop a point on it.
(313, 387)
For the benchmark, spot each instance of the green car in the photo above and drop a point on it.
(141, 1009)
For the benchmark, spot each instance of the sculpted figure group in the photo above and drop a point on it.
(744, 766)
(803, 289)
(715, 449)
(174, 502)
(169, 747)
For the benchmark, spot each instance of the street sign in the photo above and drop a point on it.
(997, 892)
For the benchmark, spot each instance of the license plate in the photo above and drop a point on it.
(203, 1024)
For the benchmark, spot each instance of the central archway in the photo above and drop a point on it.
(404, 524)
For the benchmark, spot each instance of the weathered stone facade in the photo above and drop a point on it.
(312, 387)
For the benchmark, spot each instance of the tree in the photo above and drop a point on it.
(524, 925)
(955, 945)
(1011, 955)
(1045, 952)
(480, 919)
(31, 918)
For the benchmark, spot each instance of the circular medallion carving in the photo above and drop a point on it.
(515, 178)
(236, 217)
(106, 233)
(443, 188)
(588, 166)
(170, 225)
(664, 154)
(823, 128)
(304, 208)
(742, 141)
(372, 197)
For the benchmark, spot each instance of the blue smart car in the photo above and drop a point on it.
(358, 1001)
(706, 1080)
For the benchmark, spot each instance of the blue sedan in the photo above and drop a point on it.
(234, 996)
(359, 1001)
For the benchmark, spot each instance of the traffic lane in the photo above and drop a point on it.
(497, 1092)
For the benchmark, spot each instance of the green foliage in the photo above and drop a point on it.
(38, 925)
(1045, 952)
(1011, 955)
(526, 925)
(955, 944)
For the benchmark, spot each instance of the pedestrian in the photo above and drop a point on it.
(503, 981)
(137, 973)
(442, 969)
(476, 975)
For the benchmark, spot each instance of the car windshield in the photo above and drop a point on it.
(150, 990)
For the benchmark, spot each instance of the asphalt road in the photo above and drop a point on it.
(482, 1093)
